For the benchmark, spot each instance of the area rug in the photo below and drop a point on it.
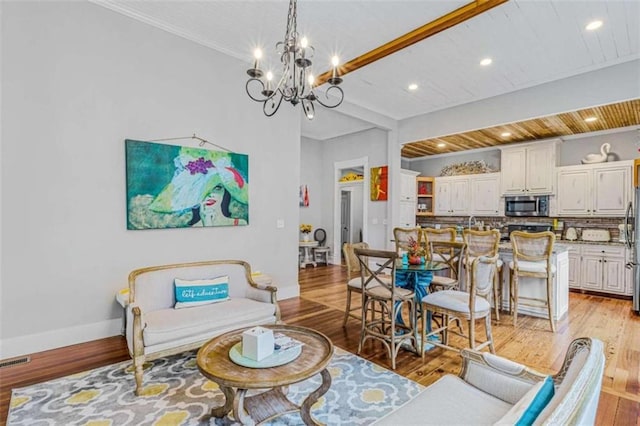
(177, 394)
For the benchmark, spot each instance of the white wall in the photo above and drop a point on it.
(311, 170)
(625, 145)
(433, 167)
(77, 80)
(372, 144)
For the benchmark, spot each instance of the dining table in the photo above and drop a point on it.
(417, 278)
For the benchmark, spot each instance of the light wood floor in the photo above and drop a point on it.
(321, 306)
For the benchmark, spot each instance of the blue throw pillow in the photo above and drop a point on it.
(542, 398)
(191, 293)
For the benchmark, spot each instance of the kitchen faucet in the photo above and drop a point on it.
(472, 217)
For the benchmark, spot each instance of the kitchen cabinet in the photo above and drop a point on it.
(407, 205)
(594, 189)
(529, 169)
(574, 268)
(452, 196)
(408, 185)
(425, 194)
(599, 268)
(485, 194)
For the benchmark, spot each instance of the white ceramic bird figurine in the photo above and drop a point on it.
(598, 158)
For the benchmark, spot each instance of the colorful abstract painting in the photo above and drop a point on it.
(171, 186)
(379, 183)
(304, 196)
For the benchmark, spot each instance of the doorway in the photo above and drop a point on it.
(350, 205)
(345, 217)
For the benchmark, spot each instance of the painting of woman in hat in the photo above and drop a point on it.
(207, 188)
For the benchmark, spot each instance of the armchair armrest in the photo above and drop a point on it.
(497, 376)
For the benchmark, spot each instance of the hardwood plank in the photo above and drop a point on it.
(321, 307)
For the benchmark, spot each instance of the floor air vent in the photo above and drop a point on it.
(15, 361)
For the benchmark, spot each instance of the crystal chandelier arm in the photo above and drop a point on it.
(340, 96)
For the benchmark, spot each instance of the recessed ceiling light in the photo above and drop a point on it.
(593, 25)
(505, 134)
(590, 119)
(486, 61)
(441, 145)
(413, 86)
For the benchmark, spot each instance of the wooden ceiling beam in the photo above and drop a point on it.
(442, 23)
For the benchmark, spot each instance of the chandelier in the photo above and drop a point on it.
(296, 83)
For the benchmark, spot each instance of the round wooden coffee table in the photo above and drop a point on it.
(214, 363)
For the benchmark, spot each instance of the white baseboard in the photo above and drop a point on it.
(289, 291)
(38, 342)
(32, 343)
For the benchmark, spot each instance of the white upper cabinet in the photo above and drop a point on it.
(452, 196)
(485, 194)
(408, 185)
(602, 189)
(530, 169)
(407, 208)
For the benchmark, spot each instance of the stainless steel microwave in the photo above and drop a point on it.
(530, 205)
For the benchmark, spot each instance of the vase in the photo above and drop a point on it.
(306, 237)
(415, 260)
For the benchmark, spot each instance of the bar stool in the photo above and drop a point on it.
(485, 243)
(531, 258)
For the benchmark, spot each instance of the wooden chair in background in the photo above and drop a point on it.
(384, 297)
(471, 306)
(403, 236)
(429, 235)
(354, 280)
(485, 243)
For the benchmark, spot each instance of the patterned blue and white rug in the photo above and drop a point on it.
(177, 394)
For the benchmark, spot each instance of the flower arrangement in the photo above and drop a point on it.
(415, 252)
(305, 228)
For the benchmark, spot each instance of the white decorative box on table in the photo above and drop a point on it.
(257, 343)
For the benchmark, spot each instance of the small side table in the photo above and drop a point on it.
(307, 258)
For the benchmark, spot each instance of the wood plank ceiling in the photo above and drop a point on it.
(622, 114)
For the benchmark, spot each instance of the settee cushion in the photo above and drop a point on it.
(166, 325)
(190, 293)
(448, 401)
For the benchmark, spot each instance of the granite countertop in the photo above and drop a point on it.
(606, 243)
(557, 247)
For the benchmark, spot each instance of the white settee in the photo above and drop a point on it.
(155, 329)
(492, 390)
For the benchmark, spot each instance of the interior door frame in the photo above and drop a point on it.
(338, 166)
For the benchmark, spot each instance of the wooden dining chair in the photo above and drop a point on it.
(485, 243)
(470, 306)
(404, 236)
(429, 235)
(451, 253)
(381, 302)
(354, 280)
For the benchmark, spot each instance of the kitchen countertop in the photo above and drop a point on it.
(606, 243)
(557, 247)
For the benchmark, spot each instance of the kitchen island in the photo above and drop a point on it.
(537, 287)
